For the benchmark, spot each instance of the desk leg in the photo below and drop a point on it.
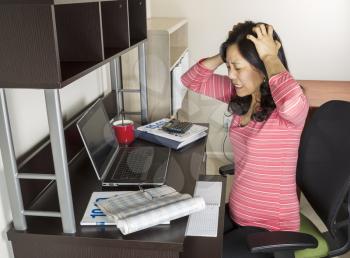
(117, 83)
(10, 166)
(58, 146)
(143, 83)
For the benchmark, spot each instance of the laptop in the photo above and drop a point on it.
(115, 164)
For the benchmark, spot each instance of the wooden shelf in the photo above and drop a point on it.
(29, 58)
(167, 44)
(59, 43)
(71, 69)
(176, 53)
(165, 25)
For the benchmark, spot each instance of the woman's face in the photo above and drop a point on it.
(245, 77)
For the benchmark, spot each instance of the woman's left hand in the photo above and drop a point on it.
(264, 43)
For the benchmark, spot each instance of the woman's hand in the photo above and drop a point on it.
(267, 49)
(264, 43)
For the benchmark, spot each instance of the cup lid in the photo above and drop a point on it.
(120, 122)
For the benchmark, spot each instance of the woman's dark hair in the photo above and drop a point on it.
(240, 105)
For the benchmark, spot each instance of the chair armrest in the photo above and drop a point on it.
(227, 170)
(269, 242)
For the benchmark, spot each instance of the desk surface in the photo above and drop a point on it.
(185, 167)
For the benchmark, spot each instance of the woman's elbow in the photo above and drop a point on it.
(296, 114)
(188, 83)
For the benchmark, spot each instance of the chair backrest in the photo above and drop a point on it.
(323, 171)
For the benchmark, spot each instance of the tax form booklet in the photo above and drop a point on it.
(93, 215)
(153, 132)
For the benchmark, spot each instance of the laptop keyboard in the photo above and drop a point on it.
(135, 163)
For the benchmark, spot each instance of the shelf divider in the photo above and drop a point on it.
(137, 21)
(115, 28)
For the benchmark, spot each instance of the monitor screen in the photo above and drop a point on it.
(98, 137)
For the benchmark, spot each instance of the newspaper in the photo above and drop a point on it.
(156, 129)
(146, 208)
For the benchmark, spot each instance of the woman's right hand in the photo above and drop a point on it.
(264, 43)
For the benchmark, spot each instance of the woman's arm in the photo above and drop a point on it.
(273, 65)
(212, 63)
(200, 78)
(291, 103)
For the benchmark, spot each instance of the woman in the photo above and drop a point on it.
(269, 111)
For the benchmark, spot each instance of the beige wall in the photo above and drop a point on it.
(315, 34)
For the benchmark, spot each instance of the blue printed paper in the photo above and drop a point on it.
(93, 216)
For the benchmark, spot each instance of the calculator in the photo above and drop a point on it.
(176, 126)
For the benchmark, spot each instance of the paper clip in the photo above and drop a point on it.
(145, 193)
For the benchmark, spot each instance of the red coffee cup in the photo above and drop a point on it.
(124, 131)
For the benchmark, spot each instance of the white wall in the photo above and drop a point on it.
(315, 34)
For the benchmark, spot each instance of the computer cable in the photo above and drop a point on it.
(223, 143)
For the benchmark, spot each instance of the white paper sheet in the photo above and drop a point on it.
(205, 222)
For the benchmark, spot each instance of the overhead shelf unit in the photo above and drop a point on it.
(47, 45)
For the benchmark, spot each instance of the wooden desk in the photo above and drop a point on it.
(44, 237)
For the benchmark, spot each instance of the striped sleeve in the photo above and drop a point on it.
(203, 81)
(291, 103)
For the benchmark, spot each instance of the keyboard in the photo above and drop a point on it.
(176, 126)
(135, 163)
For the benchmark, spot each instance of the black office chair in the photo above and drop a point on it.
(323, 175)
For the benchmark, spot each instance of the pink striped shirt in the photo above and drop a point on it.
(263, 193)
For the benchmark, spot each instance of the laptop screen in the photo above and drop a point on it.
(98, 137)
